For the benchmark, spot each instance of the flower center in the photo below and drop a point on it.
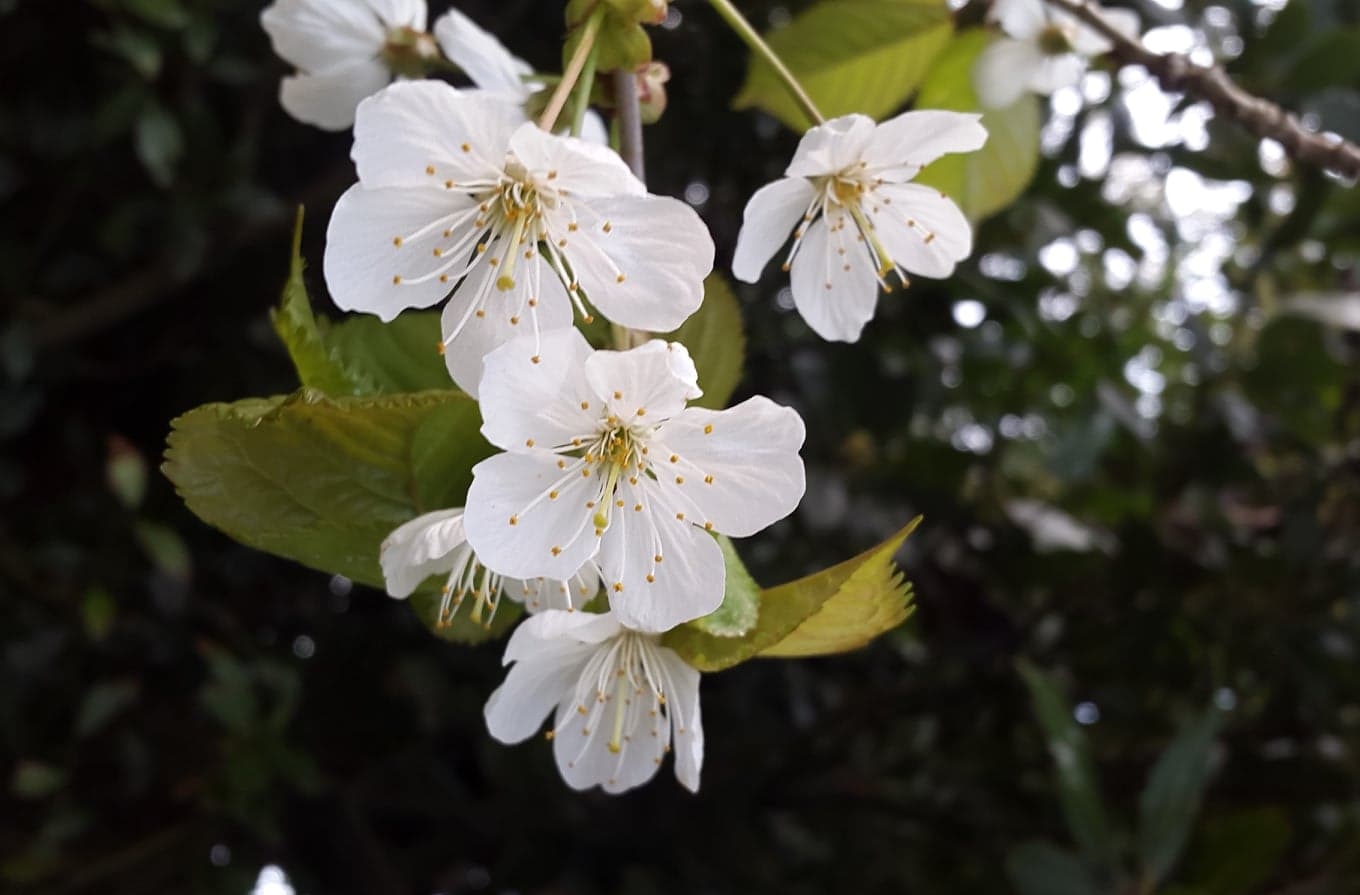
(618, 450)
(618, 685)
(469, 578)
(409, 53)
(1055, 40)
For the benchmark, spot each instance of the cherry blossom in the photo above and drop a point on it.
(604, 462)
(1044, 49)
(344, 50)
(434, 544)
(857, 218)
(458, 195)
(621, 700)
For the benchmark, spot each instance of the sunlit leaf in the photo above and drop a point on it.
(989, 180)
(865, 56)
(863, 587)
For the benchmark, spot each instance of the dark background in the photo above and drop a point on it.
(177, 711)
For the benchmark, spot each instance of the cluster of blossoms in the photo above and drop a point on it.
(600, 512)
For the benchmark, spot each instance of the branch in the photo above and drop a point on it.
(1263, 118)
(630, 121)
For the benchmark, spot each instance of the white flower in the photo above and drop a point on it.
(341, 49)
(434, 544)
(857, 218)
(493, 68)
(604, 461)
(620, 696)
(1045, 49)
(458, 194)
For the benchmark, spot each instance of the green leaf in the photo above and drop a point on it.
(36, 780)
(989, 180)
(102, 704)
(159, 143)
(1078, 790)
(717, 341)
(741, 600)
(1038, 868)
(1171, 799)
(861, 586)
(165, 548)
(865, 56)
(1237, 854)
(314, 479)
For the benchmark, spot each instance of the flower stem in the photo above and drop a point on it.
(583, 88)
(584, 53)
(737, 22)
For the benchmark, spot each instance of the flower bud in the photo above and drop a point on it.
(651, 82)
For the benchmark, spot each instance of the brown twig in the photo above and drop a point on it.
(1263, 118)
(630, 121)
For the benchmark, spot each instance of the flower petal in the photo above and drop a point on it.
(317, 35)
(420, 548)
(769, 218)
(1020, 18)
(328, 99)
(1003, 71)
(1057, 72)
(524, 402)
(831, 147)
(547, 594)
(739, 467)
(686, 584)
(681, 683)
(480, 318)
(573, 165)
(645, 385)
(481, 56)
(400, 13)
(836, 294)
(902, 146)
(547, 665)
(418, 133)
(922, 229)
(379, 248)
(641, 259)
(518, 527)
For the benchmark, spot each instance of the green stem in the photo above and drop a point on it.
(737, 22)
(574, 66)
(583, 88)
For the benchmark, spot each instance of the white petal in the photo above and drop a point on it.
(940, 237)
(365, 267)
(327, 99)
(572, 164)
(1003, 70)
(594, 130)
(641, 259)
(517, 486)
(546, 594)
(539, 633)
(645, 385)
(481, 56)
(903, 145)
(420, 548)
(688, 582)
(581, 745)
(1019, 18)
(316, 35)
(769, 218)
(536, 683)
(524, 401)
(401, 13)
(834, 301)
(831, 147)
(1056, 72)
(505, 315)
(681, 683)
(413, 134)
(751, 452)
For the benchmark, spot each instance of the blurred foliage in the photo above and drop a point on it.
(1135, 455)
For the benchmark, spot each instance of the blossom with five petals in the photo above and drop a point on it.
(457, 194)
(1045, 49)
(344, 51)
(434, 544)
(620, 697)
(857, 218)
(603, 461)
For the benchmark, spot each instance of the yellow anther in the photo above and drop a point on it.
(514, 520)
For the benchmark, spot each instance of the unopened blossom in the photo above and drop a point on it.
(493, 68)
(855, 218)
(344, 50)
(621, 700)
(434, 544)
(1044, 49)
(459, 196)
(604, 462)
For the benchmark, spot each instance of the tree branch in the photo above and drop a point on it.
(1263, 118)
(630, 121)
